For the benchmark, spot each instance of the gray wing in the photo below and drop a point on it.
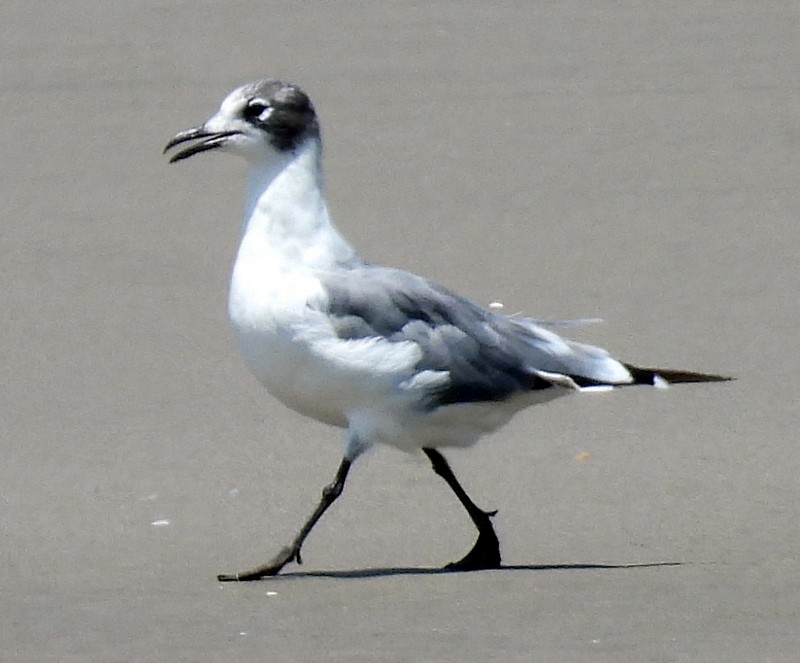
(488, 356)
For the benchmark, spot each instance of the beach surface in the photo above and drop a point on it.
(638, 164)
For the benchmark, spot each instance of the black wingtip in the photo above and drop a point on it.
(650, 376)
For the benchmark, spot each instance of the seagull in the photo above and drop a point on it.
(384, 354)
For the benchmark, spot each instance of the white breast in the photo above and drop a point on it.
(294, 352)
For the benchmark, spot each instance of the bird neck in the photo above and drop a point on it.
(286, 214)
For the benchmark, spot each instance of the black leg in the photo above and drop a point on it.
(292, 551)
(485, 554)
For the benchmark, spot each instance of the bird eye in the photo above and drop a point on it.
(255, 109)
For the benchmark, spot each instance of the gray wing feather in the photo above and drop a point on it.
(488, 356)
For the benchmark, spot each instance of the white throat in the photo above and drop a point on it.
(286, 217)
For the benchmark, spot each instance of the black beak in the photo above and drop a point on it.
(207, 140)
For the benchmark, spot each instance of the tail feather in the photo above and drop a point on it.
(651, 376)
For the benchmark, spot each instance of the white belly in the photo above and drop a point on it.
(293, 351)
(264, 322)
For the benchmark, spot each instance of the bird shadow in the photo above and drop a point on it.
(382, 572)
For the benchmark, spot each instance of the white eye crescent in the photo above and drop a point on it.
(257, 109)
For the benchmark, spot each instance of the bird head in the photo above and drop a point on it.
(256, 121)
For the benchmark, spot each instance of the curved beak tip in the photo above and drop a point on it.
(206, 140)
(183, 137)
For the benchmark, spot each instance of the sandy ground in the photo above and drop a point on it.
(638, 163)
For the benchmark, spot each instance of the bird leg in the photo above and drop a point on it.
(292, 551)
(485, 554)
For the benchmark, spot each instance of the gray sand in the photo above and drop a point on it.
(570, 159)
